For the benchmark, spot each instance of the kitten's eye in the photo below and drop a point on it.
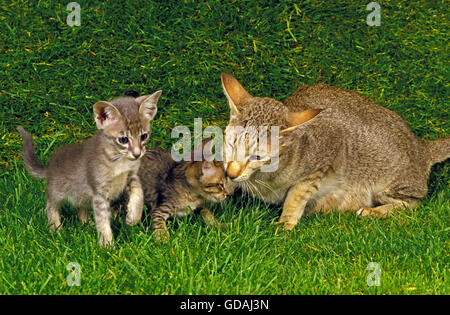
(144, 136)
(122, 140)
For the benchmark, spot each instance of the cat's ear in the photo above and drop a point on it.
(234, 92)
(296, 121)
(106, 115)
(208, 169)
(148, 105)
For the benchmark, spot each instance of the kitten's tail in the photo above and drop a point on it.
(31, 163)
(438, 150)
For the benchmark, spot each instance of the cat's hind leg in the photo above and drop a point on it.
(388, 202)
(159, 218)
(53, 215)
(82, 215)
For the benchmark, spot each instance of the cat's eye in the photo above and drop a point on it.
(123, 140)
(254, 157)
(144, 136)
(214, 187)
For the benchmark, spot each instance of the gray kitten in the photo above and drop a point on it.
(176, 188)
(338, 151)
(97, 171)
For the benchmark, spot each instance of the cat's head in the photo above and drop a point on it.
(251, 120)
(125, 122)
(209, 180)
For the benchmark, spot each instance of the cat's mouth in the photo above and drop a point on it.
(133, 157)
(217, 199)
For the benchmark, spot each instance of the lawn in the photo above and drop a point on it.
(51, 74)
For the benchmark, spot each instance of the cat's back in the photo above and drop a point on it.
(351, 104)
(156, 159)
(155, 167)
(67, 158)
(352, 110)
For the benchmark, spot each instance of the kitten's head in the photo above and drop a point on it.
(247, 115)
(209, 179)
(125, 122)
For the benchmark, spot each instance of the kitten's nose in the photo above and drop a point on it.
(136, 153)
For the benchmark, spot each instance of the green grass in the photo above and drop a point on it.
(52, 74)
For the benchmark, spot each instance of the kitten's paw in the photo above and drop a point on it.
(223, 225)
(132, 219)
(370, 212)
(108, 244)
(54, 228)
(161, 236)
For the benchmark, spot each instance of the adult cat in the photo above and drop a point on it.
(337, 151)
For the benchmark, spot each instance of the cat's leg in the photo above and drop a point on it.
(159, 218)
(297, 198)
(135, 204)
(210, 220)
(82, 215)
(102, 214)
(389, 202)
(53, 215)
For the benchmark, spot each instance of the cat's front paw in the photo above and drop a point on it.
(132, 219)
(135, 206)
(134, 213)
(106, 242)
(287, 226)
(161, 236)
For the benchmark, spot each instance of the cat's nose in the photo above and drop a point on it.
(136, 153)
(233, 169)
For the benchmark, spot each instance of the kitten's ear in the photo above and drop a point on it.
(295, 121)
(234, 92)
(147, 105)
(208, 169)
(106, 115)
(207, 145)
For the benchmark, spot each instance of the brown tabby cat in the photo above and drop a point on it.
(176, 188)
(338, 150)
(97, 171)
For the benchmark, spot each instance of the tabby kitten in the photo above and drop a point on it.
(337, 150)
(177, 188)
(97, 171)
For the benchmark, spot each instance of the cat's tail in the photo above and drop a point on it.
(438, 150)
(31, 163)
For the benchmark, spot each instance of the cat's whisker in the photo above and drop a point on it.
(257, 191)
(267, 186)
